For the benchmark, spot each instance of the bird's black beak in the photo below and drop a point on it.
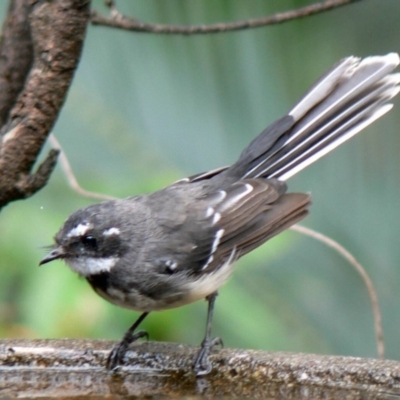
(56, 253)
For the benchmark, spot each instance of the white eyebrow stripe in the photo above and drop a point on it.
(111, 231)
(230, 202)
(79, 230)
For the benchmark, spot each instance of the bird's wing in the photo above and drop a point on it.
(231, 222)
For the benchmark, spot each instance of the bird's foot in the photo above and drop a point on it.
(117, 354)
(202, 364)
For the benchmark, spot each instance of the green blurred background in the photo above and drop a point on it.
(145, 110)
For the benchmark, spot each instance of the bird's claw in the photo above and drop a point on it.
(202, 364)
(115, 358)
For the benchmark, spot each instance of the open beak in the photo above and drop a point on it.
(53, 255)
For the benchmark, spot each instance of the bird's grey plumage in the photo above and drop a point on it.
(176, 245)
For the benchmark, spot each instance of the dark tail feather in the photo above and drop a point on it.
(348, 98)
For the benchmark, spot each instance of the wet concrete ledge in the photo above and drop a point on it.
(75, 369)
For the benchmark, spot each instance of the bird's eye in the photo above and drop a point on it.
(89, 241)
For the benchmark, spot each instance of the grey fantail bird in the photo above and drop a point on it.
(177, 245)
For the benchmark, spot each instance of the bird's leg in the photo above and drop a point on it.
(117, 353)
(202, 365)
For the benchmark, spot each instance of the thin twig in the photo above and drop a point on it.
(118, 20)
(66, 167)
(361, 271)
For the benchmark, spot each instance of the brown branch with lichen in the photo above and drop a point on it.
(120, 21)
(53, 32)
(16, 55)
(75, 369)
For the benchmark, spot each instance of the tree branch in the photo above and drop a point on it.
(16, 55)
(117, 20)
(75, 368)
(57, 30)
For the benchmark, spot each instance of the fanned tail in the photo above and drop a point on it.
(348, 98)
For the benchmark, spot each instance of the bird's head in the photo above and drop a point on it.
(89, 241)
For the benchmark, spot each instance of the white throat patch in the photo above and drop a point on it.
(87, 266)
